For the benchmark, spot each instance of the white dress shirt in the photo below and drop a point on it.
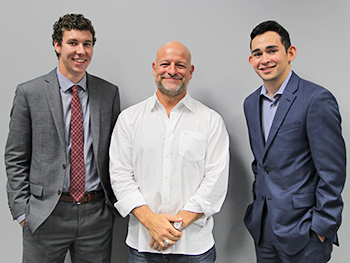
(170, 164)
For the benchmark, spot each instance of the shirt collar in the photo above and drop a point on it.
(186, 101)
(280, 90)
(66, 84)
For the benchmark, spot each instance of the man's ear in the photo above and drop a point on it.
(154, 68)
(57, 47)
(250, 59)
(191, 71)
(292, 52)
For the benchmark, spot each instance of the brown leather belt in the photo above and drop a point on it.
(88, 197)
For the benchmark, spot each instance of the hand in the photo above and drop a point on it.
(159, 227)
(322, 238)
(22, 223)
(157, 246)
(188, 217)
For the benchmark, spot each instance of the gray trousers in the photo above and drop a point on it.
(85, 230)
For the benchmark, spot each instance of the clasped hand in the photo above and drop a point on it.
(161, 229)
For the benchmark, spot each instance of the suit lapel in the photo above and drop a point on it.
(256, 107)
(95, 109)
(286, 102)
(52, 91)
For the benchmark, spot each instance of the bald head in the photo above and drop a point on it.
(174, 47)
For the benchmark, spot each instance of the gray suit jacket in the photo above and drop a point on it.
(35, 154)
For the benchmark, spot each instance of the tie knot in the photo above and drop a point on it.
(75, 89)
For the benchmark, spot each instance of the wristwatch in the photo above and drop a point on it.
(178, 225)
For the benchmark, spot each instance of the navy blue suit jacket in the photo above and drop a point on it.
(300, 170)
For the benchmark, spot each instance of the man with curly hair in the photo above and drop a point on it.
(57, 154)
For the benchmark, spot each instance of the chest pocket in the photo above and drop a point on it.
(192, 145)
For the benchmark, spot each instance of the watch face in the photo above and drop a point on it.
(178, 225)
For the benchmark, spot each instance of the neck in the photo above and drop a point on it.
(169, 102)
(271, 90)
(274, 85)
(72, 77)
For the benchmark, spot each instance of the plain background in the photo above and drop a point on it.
(217, 33)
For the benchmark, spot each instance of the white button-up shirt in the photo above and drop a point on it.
(170, 164)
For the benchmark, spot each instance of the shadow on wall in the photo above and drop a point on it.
(230, 233)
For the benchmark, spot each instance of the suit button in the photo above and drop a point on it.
(267, 170)
(63, 166)
(59, 192)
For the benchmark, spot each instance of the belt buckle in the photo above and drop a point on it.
(75, 202)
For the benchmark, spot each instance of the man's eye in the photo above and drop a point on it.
(256, 54)
(72, 43)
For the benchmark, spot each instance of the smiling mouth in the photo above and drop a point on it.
(172, 78)
(79, 60)
(267, 68)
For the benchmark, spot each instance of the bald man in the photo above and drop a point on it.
(169, 159)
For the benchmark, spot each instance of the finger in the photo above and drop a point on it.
(152, 242)
(155, 245)
(175, 234)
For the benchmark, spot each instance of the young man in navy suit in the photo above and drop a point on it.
(299, 156)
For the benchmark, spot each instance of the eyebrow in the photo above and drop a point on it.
(168, 61)
(74, 39)
(268, 47)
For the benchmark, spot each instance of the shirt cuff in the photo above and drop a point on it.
(21, 218)
(129, 202)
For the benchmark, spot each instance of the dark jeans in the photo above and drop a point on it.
(145, 257)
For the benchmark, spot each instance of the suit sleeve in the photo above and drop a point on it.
(254, 164)
(18, 154)
(329, 156)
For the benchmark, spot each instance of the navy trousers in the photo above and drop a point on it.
(269, 251)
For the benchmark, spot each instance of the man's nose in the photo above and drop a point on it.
(172, 70)
(80, 49)
(265, 58)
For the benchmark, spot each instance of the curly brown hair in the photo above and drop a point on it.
(69, 22)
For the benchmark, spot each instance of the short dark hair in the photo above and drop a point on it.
(69, 22)
(271, 26)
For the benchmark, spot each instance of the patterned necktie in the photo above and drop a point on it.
(77, 181)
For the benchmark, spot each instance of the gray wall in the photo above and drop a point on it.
(217, 33)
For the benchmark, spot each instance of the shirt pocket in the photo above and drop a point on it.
(192, 145)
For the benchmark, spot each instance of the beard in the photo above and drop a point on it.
(173, 92)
